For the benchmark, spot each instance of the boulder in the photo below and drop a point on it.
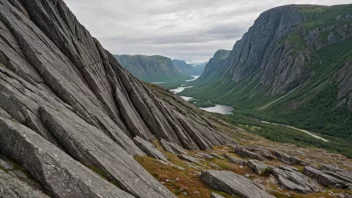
(233, 159)
(287, 159)
(233, 184)
(149, 149)
(325, 179)
(291, 179)
(243, 152)
(258, 167)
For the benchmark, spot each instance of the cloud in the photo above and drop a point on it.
(183, 29)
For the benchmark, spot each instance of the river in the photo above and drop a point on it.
(302, 130)
(222, 109)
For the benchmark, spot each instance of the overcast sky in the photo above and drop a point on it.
(192, 30)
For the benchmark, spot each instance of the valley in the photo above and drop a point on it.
(270, 118)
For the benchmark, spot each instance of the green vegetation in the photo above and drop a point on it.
(315, 105)
(284, 134)
(322, 16)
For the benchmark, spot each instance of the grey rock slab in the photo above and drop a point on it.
(233, 159)
(291, 186)
(61, 175)
(261, 151)
(217, 156)
(243, 152)
(258, 167)
(173, 148)
(189, 159)
(215, 195)
(287, 159)
(307, 184)
(11, 187)
(233, 184)
(149, 149)
(89, 145)
(323, 178)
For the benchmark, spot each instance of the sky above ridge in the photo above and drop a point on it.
(191, 30)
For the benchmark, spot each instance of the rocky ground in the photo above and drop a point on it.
(259, 169)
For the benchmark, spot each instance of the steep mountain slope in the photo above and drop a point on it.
(188, 68)
(69, 111)
(292, 66)
(152, 68)
(215, 67)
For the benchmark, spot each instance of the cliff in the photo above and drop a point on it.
(69, 111)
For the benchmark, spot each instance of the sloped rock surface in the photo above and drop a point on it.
(81, 142)
(243, 152)
(11, 187)
(293, 180)
(287, 159)
(258, 167)
(233, 184)
(173, 148)
(59, 83)
(189, 159)
(61, 175)
(149, 149)
(325, 178)
(234, 159)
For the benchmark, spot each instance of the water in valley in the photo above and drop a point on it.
(222, 109)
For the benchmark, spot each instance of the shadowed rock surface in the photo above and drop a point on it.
(233, 184)
(13, 187)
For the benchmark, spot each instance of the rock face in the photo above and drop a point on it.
(61, 175)
(13, 187)
(233, 184)
(149, 149)
(173, 148)
(73, 110)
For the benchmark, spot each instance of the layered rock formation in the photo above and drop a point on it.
(69, 111)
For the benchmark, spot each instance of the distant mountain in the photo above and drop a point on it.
(152, 68)
(294, 65)
(159, 68)
(190, 69)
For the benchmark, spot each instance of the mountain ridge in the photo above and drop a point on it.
(158, 68)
